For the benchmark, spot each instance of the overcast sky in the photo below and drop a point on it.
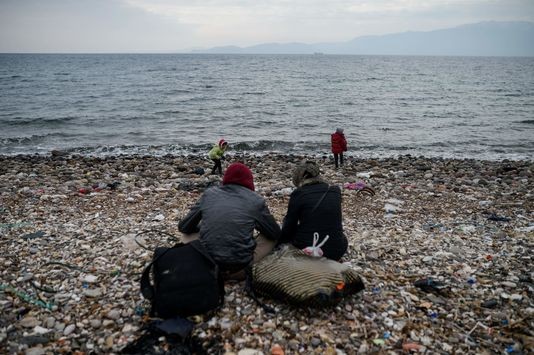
(174, 25)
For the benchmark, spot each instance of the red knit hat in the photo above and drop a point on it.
(239, 174)
(222, 142)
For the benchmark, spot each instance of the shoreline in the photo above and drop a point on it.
(362, 153)
(467, 223)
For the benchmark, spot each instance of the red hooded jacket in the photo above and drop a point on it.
(339, 143)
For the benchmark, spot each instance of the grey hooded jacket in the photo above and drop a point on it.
(225, 218)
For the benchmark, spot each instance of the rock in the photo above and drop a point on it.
(516, 297)
(69, 329)
(29, 322)
(443, 228)
(32, 340)
(490, 303)
(113, 314)
(40, 330)
(35, 351)
(95, 323)
(90, 279)
(249, 352)
(92, 293)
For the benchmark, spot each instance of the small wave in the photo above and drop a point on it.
(169, 112)
(33, 139)
(527, 121)
(41, 121)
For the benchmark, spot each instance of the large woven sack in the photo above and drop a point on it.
(289, 275)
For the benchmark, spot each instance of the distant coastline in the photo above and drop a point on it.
(491, 38)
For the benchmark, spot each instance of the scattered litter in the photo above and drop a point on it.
(495, 218)
(440, 237)
(34, 235)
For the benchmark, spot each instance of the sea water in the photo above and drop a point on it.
(102, 104)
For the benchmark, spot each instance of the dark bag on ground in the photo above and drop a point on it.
(186, 281)
(290, 275)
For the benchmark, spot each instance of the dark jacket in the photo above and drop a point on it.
(300, 223)
(225, 218)
(339, 143)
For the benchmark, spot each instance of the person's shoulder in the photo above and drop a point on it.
(335, 188)
(212, 190)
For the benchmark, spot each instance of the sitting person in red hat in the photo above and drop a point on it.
(224, 219)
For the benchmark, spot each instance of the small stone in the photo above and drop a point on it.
(516, 297)
(109, 341)
(108, 322)
(249, 352)
(509, 284)
(40, 330)
(92, 293)
(294, 344)
(364, 348)
(59, 326)
(158, 217)
(95, 323)
(29, 322)
(129, 328)
(50, 322)
(69, 329)
(90, 279)
(490, 303)
(32, 340)
(35, 351)
(113, 314)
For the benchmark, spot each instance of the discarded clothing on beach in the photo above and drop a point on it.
(34, 235)
(496, 218)
(430, 285)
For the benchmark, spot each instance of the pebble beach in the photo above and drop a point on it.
(445, 249)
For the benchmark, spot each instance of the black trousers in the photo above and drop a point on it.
(338, 157)
(217, 166)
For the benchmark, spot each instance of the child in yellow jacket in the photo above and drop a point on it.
(216, 154)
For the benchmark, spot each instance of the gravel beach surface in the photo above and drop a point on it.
(445, 249)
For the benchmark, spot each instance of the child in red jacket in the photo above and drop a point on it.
(339, 145)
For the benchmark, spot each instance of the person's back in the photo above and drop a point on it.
(339, 145)
(314, 207)
(226, 217)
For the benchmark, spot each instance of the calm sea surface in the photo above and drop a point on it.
(465, 107)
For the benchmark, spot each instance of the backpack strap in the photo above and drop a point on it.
(320, 200)
(249, 289)
(217, 272)
(147, 289)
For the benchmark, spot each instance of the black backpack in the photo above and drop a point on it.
(186, 281)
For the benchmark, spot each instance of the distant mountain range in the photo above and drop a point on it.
(479, 39)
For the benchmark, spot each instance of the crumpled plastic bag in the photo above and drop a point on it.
(315, 249)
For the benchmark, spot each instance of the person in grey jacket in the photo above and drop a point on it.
(224, 219)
